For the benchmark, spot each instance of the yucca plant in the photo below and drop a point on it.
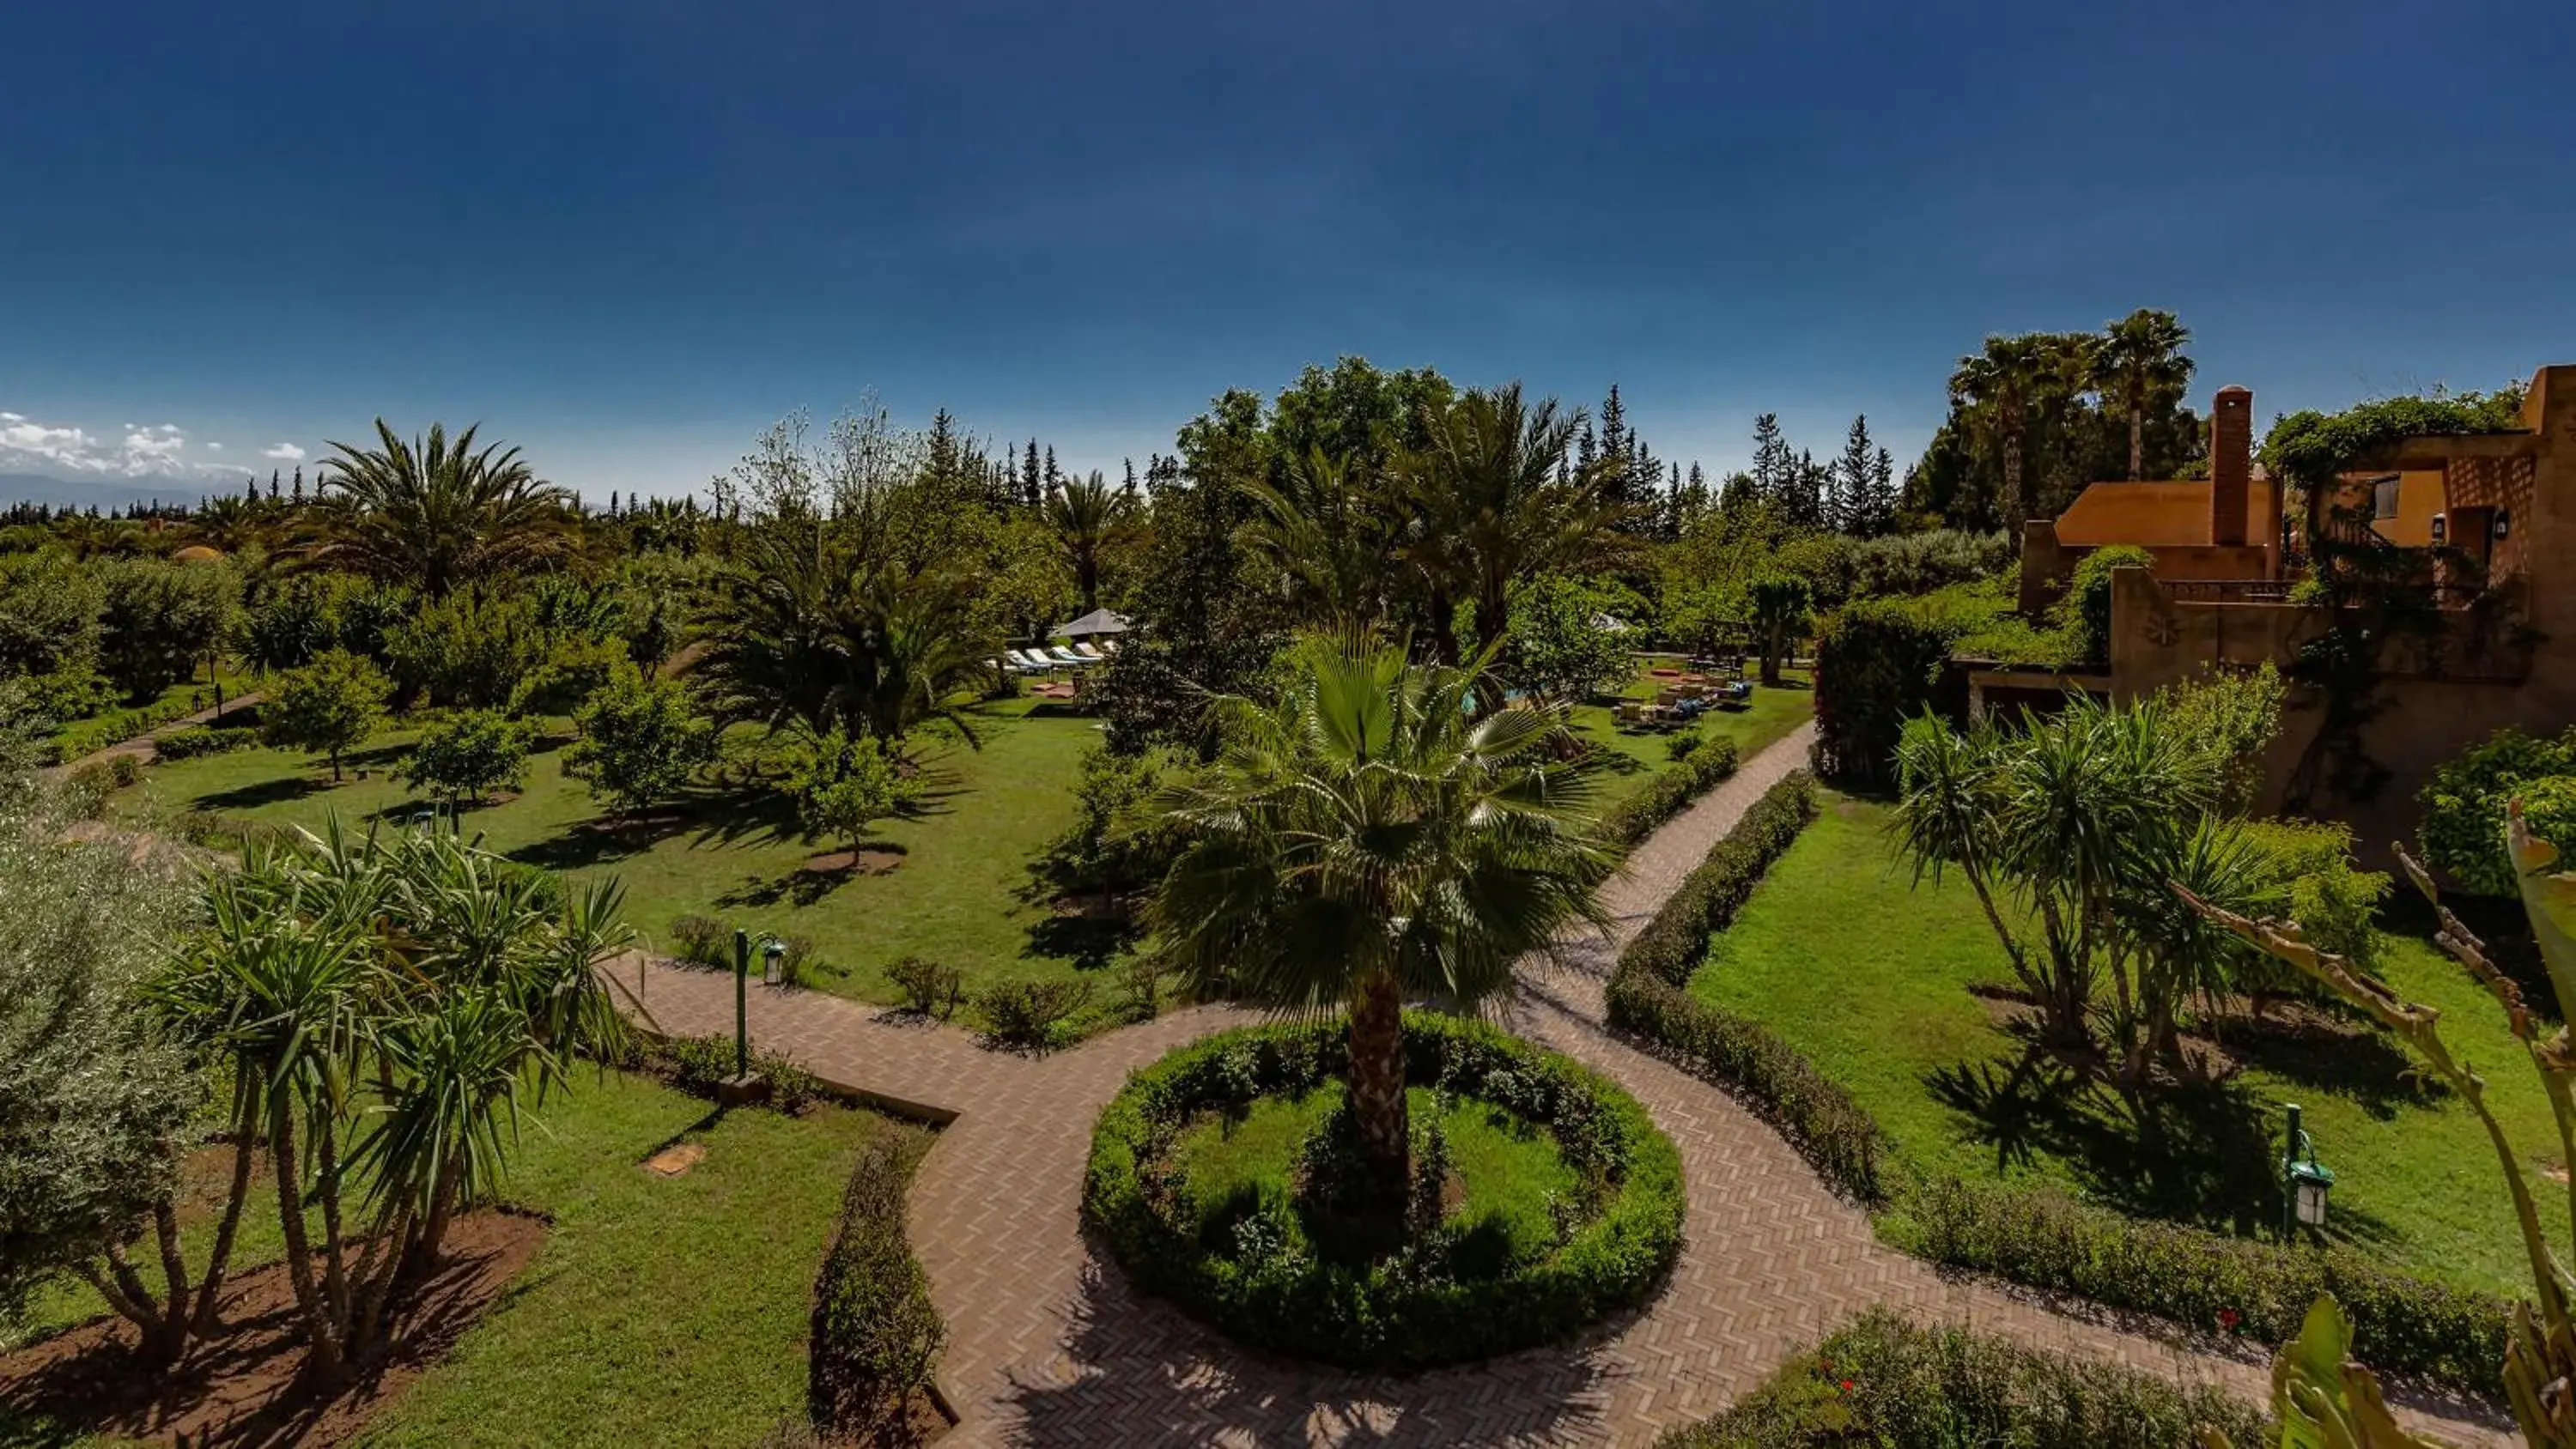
(2326, 1400)
(380, 1003)
(1372, 837)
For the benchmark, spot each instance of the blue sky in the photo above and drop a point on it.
(627, 235)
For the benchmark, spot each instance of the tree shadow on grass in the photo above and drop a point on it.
(2203, 1153)
(2316, 1049)
(1090, 942)
(281, 791)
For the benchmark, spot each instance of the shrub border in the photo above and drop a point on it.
(876, 1336)
(2039, 1237)
(1325, 1313)
(1670, 792)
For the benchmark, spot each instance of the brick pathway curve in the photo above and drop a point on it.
(1049, 1347)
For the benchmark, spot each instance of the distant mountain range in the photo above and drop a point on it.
(107, 493)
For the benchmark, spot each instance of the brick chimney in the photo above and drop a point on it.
(2231, 464)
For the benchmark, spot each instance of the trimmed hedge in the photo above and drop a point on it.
(876, 1336)
(198, 740)
(2204, 1280)
(1885, 1382)
(1649, 995)
(1668, 793)
(1402, 1314)
(91, 736)
(1879, 663)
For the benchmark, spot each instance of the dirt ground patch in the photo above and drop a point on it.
(240, 1389)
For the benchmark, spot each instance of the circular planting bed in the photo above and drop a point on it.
(1541, 1198)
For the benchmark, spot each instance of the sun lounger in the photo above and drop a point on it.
(1067, 657)
(1087, 652)
(1035, 663)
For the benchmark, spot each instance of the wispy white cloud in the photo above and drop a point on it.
(283, 452)
(140, 450)
(214, 447)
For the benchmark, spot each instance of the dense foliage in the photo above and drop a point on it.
(1879, 663)
(2464, 805)
(1434, 1301)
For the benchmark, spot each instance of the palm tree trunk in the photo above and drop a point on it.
(2137, 439)
(2016, 507)
(1377, 1084)
(1444, 626)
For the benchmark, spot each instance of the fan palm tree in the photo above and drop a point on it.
(1370, 837)
(1084, 514)
(436, 513)
(2138, 364)
(1492, 510)
(1995, 389)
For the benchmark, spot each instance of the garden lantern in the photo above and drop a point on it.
(2304, 1182)
(771, 951)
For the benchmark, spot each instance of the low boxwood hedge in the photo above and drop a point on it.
(1888, 1383)
(1649, 996)
(1672, 788)
(1387, 1316)
(2206, 1281)
(876, 1335)
(2210, 1281)
(198, 740)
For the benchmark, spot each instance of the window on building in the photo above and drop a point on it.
(2383, 498)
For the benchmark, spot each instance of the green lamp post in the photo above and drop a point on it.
(2304, 1181)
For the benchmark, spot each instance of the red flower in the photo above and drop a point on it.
(2228, 1318)
(1847, 1386)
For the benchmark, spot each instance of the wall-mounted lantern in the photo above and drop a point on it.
(2441, 528)
(2504, 520)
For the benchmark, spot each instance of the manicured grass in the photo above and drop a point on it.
(1771, 714)
(960, 895)
(179, 700)
(660, 1311)
(1506, 1167)
(1871, 978)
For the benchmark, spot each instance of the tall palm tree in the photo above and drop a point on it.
(1084, 513)
(1331, 526)
(1995, 389)
(2139, 363)
(1369, 837)
(1492, 510)
(436, 513)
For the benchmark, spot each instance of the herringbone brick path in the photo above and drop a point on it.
(1049, 1347)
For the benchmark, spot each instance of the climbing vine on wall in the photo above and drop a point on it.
(2370, 590)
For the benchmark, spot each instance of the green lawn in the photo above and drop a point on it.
(959, 895)
(1506, 1168)
(1772, 714)
(659, 1311)
(1871, 979)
